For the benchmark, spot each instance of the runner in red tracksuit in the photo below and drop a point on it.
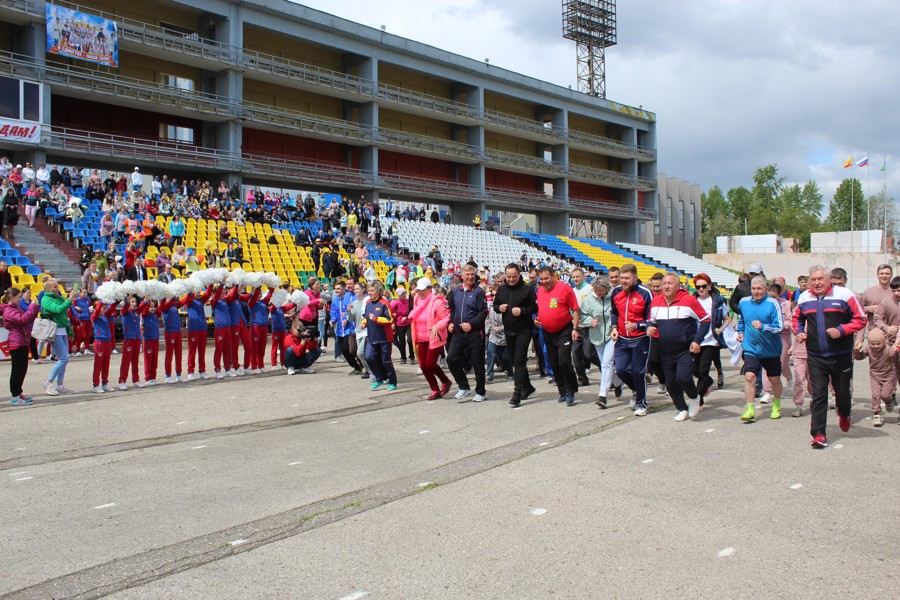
(629, 316)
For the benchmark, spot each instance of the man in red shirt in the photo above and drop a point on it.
(558, 314)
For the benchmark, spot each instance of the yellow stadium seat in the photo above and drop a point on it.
(15, 270)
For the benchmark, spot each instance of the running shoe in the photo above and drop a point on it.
(20, 400)
(877, 420)
(693, 407)
(749, 415)
(819, 442)
(99, 389)
(463, 394)
(776, 410)
(720, 381)
(51, 389)
(640, 411)
(844, 423)
(765, 398)
(681, 416)
(375, 385)
(527, 392)
(798, 411)
(600, 401)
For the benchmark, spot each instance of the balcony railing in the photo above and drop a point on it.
(605, 209)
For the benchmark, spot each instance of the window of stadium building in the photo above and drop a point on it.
(176, 133)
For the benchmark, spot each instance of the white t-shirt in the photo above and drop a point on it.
(707, 305)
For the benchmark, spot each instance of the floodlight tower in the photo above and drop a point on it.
(592, 25)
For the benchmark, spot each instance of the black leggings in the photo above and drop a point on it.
(343, 343)
(403, 341)
(708, 355)
(19, 357)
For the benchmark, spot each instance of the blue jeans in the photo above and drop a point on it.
(608, 375)
(291, 360)
(493, 350)
(61, 350)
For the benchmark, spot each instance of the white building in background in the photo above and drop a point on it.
(679, 216)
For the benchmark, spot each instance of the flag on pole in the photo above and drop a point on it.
(848, 163)
(863, 162)
(883, 166)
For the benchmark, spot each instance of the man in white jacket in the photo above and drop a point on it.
(137, 180)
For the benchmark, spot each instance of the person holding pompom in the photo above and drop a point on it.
(279, 327)
(102, 316)
(259, 329)
(149, 311)
(222, 330)
(131, 344)
(197, 333)
(172, 335)
(81, 324)
(240, 334)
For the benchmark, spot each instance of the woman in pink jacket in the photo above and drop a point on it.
(430, 319)
(18, 322)
(309, 314)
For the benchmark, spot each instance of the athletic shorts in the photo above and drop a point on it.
(755, 365)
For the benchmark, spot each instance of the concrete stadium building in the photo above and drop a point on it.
(270, 92)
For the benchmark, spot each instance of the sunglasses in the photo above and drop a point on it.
(702, 287)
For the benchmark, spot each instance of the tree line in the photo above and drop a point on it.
(791, 210)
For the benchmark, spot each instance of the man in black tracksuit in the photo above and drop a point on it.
(516, 301)
(468, 313)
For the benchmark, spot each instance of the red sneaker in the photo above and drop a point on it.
(444, 389)
(844, 422)
(819, 441)
(435, 395)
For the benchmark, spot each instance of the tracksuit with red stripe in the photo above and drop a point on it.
(100, 319)
(632, 306)
(197, 330)
(150, 331)
(131, 344)
(259, 327)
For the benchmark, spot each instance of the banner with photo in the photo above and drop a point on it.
(83, 36)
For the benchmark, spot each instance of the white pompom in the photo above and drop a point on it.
(127, 290)
(193, 285)
(270, 280)
(300, 298)
(235, 277)
(108, 292)
(176, 289)
(252, 280)
(279, 297)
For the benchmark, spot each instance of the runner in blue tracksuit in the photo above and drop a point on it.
(759, 327)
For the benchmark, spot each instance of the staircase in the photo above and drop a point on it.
(43, 249)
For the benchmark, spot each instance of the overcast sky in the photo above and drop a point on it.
(735, 84)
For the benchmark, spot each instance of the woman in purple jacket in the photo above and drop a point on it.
(18, 322)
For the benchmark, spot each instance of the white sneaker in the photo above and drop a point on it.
(151, 382)
(140, 384)
(115, 351)
(418, 371)
(259, 371)
(275, 368)
(307, 371)
(99, 389)
(180, 379)
(239, 372)
(191, 377)
(123, 386)
(463, 394)
(633, 402)
(291, 370)
(693, 407)
(219, 375)
(765, 398)
(203, 375)
(681, 416)
(231, 373)
(170, 380)
(107, 388)
(479, 398)
(64, 390)
(51, 389)
(640, 411)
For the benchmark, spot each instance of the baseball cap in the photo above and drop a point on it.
(755, 268)
(423, 284)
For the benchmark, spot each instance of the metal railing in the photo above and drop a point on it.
(310, 74)
(136, 149)
(600, 208)
(110, 84)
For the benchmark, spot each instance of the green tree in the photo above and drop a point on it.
(796, 217)
(739, 202)
(765, 201)
(848, 194)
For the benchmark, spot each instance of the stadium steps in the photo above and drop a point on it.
(45, 253)
(682, 262)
